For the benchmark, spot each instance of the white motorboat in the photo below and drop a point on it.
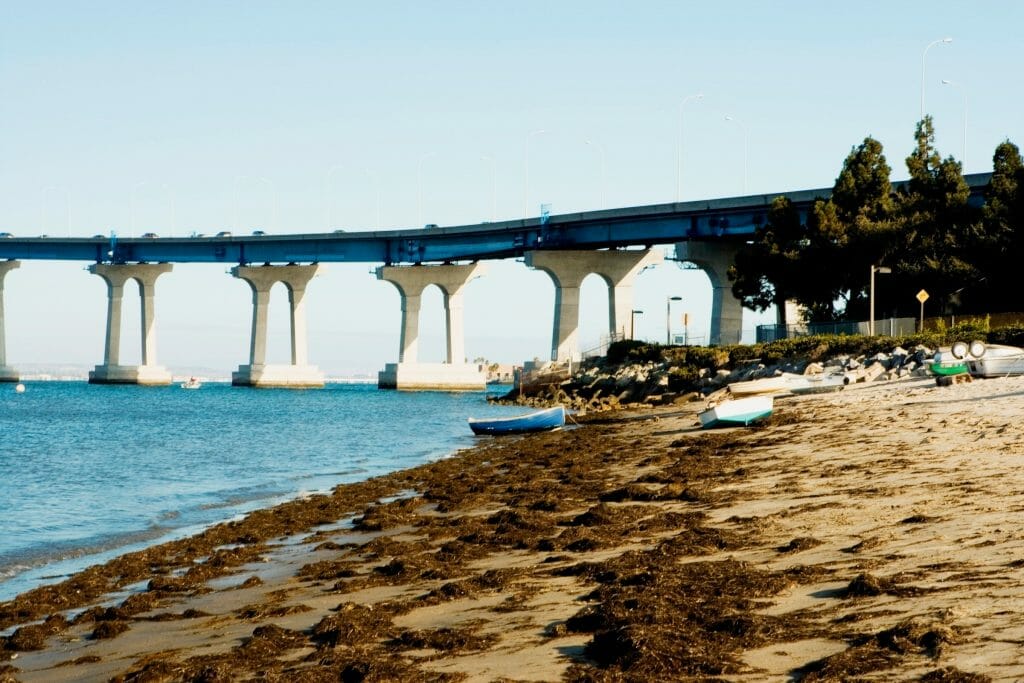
(818, 384)
(762, 386)
(995, 360)
(192, 383)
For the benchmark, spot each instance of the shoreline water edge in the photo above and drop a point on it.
(870, 532)
(90, 472)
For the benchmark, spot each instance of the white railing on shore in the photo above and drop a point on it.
(602, 348)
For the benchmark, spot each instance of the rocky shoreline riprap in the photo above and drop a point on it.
(603, 384)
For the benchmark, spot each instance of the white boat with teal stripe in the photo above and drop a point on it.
(737, 412)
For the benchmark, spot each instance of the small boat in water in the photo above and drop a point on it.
(738, 411)
(192, 383)
(539, 421)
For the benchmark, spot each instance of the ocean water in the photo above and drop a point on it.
(88, 472)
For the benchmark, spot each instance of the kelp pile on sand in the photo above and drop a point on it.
(623, 520)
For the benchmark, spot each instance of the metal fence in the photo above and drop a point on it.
(893, 327)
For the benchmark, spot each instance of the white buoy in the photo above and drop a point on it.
(20, 388)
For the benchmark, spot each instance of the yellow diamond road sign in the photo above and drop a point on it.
(922, 296)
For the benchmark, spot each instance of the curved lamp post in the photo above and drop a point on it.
(923, 55)
(871, 305)
(419, 187)
(964, 90)
(376, 182)
(600, 149)
(746, 137)
(526, 171)
(668, 318)
(494, 185)
(679, 161)
(327, 190)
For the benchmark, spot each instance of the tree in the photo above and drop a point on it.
(939, 232)
(1002, 218)
(854, 227)
(767, 270)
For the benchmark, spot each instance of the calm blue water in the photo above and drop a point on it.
(88, 472)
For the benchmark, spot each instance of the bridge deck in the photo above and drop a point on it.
(728, 218)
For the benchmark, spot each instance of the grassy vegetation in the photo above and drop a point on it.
(682, 359)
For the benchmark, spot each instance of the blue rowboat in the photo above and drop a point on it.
(539, 421)
(739, 411)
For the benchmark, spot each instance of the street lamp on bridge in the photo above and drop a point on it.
(679, 161)
(526, 171)
(746, 139)
(600, 149)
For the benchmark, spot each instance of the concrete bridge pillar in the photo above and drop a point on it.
(455, 374)
(715, 258)
(299, 374)
(568, 269)
(111, 371)
(7, 373)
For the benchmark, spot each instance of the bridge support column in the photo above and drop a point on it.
(7, 373)
(111, 371)
(299, 374)
(455, 374)
(715, 258)
(567, 270)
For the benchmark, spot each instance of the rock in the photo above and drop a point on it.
(814, 369)
(873, 371)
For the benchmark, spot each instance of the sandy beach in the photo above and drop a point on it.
(869, 534)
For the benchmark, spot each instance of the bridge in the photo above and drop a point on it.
(614, 243)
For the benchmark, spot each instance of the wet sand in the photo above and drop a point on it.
(872, 534)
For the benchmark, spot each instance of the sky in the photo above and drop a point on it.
(186, 117)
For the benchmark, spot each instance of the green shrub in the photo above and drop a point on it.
(707, 357)
(683, 378)
(633, 351)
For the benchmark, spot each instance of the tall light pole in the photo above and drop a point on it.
(679, 161)
(131, 204)
(273, 194)
(871, 305)
(419, 187)
(170, 207)
(632, 323)
(67, 208)
(603, 168)
(273, 198)
(668, 318)
(327, 190)
(376, 182)
(494, 185)
(923, 55)
(526, 171)
(746, 137)
(964, 91)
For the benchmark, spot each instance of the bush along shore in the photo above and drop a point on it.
(636, 373)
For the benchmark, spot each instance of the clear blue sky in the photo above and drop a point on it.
(290, 117)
